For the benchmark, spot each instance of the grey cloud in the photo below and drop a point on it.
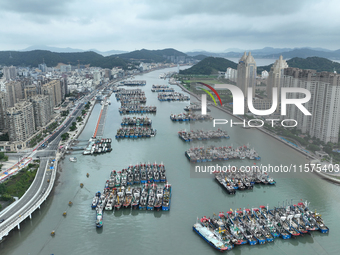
(40, 7)
(248, 8)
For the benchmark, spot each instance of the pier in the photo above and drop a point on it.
(99, 131)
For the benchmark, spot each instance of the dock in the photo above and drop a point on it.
(99, 131)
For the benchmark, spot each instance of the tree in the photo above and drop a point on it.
(79, 118)
(65, 136)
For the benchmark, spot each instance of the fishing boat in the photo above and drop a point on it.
(95, 200)
(211, 238)
(128, 197)
(136, 197)
(166, 197)
(99, 219)
(120, 197)
(152, 197)
(159, 198)
(144, 197)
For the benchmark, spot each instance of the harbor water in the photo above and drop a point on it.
(193, 195)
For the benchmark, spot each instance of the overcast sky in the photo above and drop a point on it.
(186, 25)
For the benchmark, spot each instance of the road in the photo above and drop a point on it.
(40, 183)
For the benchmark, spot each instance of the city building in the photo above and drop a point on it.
(20, 121)
(42, 110)
(53, 89)
(14, 92)
(30, 91)
(324, 105)
(10, 73)
(65, 68)
(231, 74)
(246, 74)
(3, 107)
(275, 78)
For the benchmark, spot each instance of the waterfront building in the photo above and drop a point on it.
(246, 74)
(275, 78)
(324, 104)
(20, 121)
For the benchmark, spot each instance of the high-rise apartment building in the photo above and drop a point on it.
(275, 78)
(246, 74)
(324, 104)
(14, 92)
(20, 121)
(3, 107)
(42, 110)
(10, 73)
(231, 74)
(53, 89)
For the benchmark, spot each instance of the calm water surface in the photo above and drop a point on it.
(136, 232)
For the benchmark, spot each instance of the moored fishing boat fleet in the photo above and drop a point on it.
(258, 225)
(136, 121)
(133, 83)
(98, 146)
(235, 179)
(190, 117)
(212, 153)
(124, 190)
(193, 135)
(194, 107)
(135, 132)
(172, 96)
(161, 88)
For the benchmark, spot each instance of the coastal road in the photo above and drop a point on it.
(24, 204)
(40, 183)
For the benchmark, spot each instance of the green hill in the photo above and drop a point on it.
(151, 55)
(315, 63)
(36, 57)
(210, 65)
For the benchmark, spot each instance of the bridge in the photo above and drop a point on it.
(43, 182)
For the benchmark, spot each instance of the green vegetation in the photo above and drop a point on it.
(3, 157)
(83, 112)
(73, 126)
(17, 185)
(315, 63)
(210, 65)
(33, 58)
(125, 60)
(4, 137)
(151, 55)
(51, 127)
(79, 119)
(36, 140)
(88, 105)
(65, 113)
(65, 136)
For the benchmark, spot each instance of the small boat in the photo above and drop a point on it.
(120, 198)
(73, 159)
(95, 200)
(99, 219)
